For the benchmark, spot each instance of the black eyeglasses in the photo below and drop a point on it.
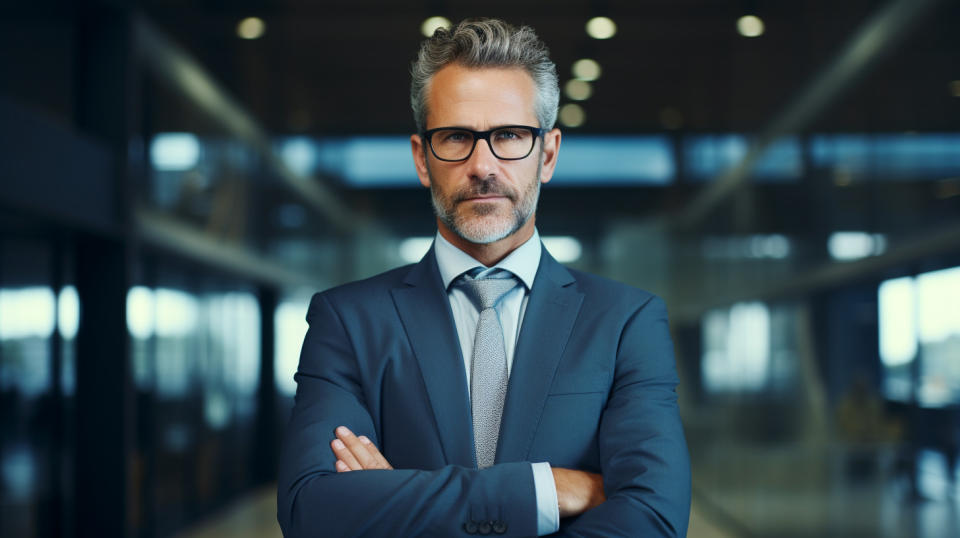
(509, 143)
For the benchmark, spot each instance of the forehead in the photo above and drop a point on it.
(481, 97)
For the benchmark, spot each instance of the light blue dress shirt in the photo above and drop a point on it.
(523, 263)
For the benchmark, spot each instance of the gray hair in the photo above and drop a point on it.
(479, 43)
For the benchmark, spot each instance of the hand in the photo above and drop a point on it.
(356, 453)
(577, 491)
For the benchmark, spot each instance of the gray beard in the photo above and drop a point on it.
(472, 228)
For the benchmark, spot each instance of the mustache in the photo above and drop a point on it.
(485, 187)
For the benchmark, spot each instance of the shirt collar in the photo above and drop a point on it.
(522, 262)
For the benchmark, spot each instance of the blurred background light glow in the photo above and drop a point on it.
(750, 26)
(601, 28)
(251, 28)
(896, 305)
(68, 312)
(572, 115)
(176, 312)
(736, 347)
(629, 160)
(564, 248)
(299, 154)
(577, 89)
(430, 25)
(28, 312)
(141, 311)
(412, 249)
(586, 69)
(174, 151)
(938, 304)
(290, 324)
(848, 246)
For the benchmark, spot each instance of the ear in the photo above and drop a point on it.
(551, 151)
(420, 159)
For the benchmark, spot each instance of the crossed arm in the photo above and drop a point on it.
(642, 452)
(577, 491)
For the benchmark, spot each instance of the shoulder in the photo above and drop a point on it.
(611, 292)
(380, 283)
(370, 292)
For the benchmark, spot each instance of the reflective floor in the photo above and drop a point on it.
(836, 489)
(255, 517)
(805, 491)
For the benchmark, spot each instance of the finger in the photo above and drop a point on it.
(357, 449)
(342, 467)
(382, 462)
(344, 455)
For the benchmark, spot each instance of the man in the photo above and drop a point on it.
(485, 389)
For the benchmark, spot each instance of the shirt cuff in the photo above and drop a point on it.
(548, 510)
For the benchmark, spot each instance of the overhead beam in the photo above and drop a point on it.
(177, 69)
(172, 234)
(877, 36)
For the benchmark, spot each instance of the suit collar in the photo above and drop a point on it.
(552, 309)
(425, 313)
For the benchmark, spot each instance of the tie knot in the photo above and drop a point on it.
(486, 292)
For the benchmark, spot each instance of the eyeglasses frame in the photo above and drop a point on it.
(483, 135)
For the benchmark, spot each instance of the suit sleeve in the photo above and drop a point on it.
(314, 500)
(643, 453)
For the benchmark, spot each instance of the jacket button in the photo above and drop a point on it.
(499, 527)
(484, 527)
(470, 527)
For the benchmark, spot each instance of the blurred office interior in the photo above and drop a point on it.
(177, 178)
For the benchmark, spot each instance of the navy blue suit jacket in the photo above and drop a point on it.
(592, 388)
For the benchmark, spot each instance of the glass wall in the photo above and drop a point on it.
(196, 355)
(38, 322)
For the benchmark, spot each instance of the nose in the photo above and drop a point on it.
(482, 163)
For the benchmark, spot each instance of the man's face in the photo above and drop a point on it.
(484, 199)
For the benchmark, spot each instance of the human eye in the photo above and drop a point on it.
(454, 136)
(510, 135)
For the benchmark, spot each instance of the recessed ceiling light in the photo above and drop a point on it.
(586, 69)
(601, 28)
(572, 115)
(578, 90)
(750, 26)
(429, 26)
(251, 28)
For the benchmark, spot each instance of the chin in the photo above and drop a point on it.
(483, 231)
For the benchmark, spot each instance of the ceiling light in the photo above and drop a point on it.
(251, 28)
(586, 69)
(430, 25)
(955, 88)
(750, 26)
(572, 115)
(578, 90)
(601, 28)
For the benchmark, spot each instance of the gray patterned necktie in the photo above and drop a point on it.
(488, 371)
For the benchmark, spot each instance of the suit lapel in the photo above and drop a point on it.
(552, 308)
(425, 312)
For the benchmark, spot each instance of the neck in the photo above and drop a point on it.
(489, 254)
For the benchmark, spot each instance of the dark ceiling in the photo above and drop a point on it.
(341, 67)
